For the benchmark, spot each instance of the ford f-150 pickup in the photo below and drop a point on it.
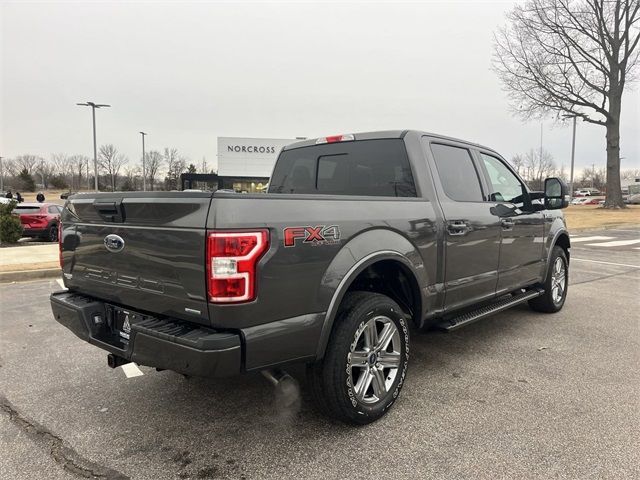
(359, 239)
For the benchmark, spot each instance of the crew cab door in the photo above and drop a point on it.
(471, 231)
(522, 227)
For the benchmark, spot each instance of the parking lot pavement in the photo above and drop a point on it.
(625, 239)
(518, 395)
(602, 247)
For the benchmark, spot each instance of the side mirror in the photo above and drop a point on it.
(556, 194)
(502, 210)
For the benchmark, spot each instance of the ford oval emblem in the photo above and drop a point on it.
(114, 243)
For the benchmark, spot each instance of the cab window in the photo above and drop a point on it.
(505, 186)
(457, 173)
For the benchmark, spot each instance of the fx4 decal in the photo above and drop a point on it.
(318, 235)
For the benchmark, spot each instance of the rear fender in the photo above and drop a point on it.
(362, 251)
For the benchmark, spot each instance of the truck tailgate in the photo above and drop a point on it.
(141, 250)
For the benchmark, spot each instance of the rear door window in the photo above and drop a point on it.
(364, 167)
(457, 173)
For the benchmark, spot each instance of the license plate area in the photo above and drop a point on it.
(119, 321)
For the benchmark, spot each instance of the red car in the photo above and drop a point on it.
(593, 201)
(39, 219)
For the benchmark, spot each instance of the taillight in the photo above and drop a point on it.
(232, 259)
(60, 245)
(336, 138)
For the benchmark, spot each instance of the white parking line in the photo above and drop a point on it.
(590, 239)
(605, 263)
(61, 283)
(615, 243)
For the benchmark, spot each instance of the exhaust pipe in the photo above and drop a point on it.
(277, 376)
(287, 390)
(115, 361)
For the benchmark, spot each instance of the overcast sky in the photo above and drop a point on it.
(187, 73)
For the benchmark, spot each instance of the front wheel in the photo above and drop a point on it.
(556, 284)
(366, 361)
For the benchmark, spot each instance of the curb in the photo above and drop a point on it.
(25, 275)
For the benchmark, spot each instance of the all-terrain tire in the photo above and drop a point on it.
(551, 301)
(333, 379)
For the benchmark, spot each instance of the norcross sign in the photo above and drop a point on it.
(251, 149)
(248, 157)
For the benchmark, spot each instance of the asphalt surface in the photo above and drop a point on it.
(517, 395)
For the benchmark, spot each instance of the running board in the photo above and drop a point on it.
(497, 306)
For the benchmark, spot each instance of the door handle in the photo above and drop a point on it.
(507, 223)
(458, 227)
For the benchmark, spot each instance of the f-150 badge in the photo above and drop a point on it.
(318, 235)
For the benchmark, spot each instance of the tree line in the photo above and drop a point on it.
(76, 172)
(537, 164)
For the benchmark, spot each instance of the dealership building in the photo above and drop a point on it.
(245, 164)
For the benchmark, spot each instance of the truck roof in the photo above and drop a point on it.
(385, 134)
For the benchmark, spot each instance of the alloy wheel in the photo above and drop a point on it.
(558, 280)
(374, 359)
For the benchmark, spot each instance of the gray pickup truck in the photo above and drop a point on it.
(359, 238)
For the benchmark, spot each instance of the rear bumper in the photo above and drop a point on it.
(34, 232)
(165, 344)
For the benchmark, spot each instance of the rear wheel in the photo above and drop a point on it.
(556, 284)
(52, 233)
(366, 361)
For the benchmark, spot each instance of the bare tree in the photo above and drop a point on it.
(175, 166)
(62, 165)
(630, 174)
(27, 162)
(10, 168)
(78, 166)
(538, 164)
(111, 162)
(572, 57)
(154, 161)
(45, 170)
(133, 178)
(518, 163)
(562, 174)
(594, 178)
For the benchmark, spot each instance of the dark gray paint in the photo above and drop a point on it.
(282, 341)
(300, 288)
(161, 267)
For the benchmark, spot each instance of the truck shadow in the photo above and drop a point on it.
(241, 411)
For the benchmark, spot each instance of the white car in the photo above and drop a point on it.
(582, 193)
(579, 200)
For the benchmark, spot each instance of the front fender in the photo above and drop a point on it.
(360, 252)
(557, 229)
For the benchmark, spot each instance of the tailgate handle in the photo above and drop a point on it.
(111, 211)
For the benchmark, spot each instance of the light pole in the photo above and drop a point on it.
(95, 145)
(144, 165)
(1, 176)
(573, 152)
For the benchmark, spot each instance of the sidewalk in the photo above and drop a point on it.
(28, 262)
